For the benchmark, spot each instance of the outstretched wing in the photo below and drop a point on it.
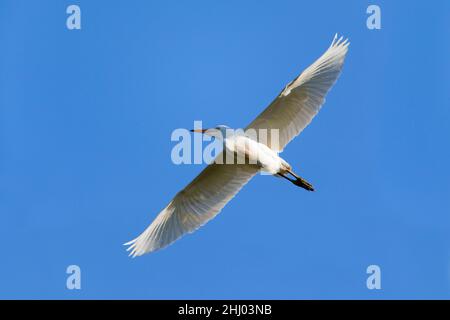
(193, 206)
(301, 99)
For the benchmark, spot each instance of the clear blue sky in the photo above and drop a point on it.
(85, 124)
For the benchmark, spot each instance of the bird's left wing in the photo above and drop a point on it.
(301, 99)
(193, 206)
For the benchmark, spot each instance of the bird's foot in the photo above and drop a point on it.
(300, 182)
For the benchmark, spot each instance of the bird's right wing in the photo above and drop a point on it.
(299, 102)
(192, 207)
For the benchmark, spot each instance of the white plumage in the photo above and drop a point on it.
(301, 99)
(210, 191)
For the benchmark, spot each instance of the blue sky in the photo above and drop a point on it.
(85, 123)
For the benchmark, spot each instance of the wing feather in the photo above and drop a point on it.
(301, 99)
(193, 206)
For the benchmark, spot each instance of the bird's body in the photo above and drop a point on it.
(248, 150)
(290, 112)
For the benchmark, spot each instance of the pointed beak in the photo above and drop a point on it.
(199, 130)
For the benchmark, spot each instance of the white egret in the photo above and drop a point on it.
(290, 112)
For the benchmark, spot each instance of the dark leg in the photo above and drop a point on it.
(298, 181)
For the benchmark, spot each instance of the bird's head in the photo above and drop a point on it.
(219, 132)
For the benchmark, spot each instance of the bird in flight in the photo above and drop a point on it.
(290, 112)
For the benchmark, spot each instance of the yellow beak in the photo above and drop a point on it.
(199, 130)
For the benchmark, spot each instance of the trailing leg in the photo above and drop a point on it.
(298, 181)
